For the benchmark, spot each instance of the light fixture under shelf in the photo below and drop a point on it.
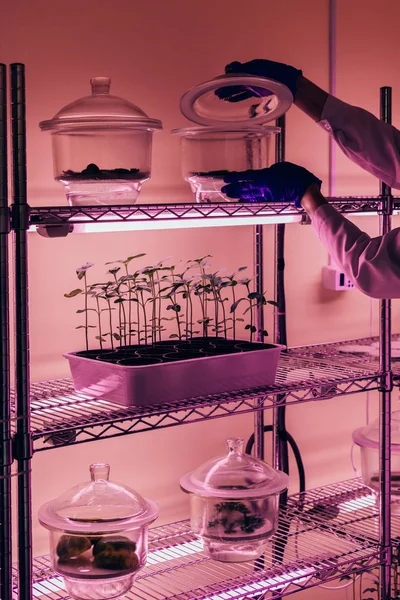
(188, 223)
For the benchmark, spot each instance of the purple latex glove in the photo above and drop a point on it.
(282, 182)
(262, 68)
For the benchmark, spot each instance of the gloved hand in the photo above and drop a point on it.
(263, 68)
(282, 182)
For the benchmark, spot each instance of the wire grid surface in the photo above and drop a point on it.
(361, 352)
(61, 416)
(301, 554)
(55, 215)
(350, 511)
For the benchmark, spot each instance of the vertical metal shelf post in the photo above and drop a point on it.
(259, 448)
(386, 382)
(280, 445)
(5, 412)
(22, 439)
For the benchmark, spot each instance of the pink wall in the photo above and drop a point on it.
(154, 51)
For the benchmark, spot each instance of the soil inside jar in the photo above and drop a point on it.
(211, 174)
(93, 172)
(394, 481)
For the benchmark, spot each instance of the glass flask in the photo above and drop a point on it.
(367, 438)
(234, 504)
(98, 536)
(102, 147)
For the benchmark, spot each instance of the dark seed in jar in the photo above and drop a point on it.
(115, 553)
(71, 546)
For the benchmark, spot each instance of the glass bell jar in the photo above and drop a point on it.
(234, 504)
(367, 438)
(98, 536)
(102, 147)
(231, 112)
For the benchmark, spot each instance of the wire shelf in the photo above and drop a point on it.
(56, 215)
(302, 554)
(350, 511)
(61, 416)
(362, 352)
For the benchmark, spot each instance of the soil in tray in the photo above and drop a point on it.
(93, 173)
(171, 352)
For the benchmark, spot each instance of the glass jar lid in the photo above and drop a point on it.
(100, 109)
(369, 435)
(252, 131)
(235, 475)
(238, 99)
(98, 506)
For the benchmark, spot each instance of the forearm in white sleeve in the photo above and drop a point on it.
(372, 264)
(367, 141)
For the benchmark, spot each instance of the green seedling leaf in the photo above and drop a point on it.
(119, 300)
(247, 326)
(83, 310)
(81, 271)
(174, 335)
(117, 336)
(253, 295)
(236, 304)
(273, 303)
(73, 293)
(128, 260)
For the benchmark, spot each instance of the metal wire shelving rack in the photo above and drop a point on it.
(323, 534)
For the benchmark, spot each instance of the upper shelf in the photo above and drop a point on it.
(173, 216)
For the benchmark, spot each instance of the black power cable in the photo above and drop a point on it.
(295, 449)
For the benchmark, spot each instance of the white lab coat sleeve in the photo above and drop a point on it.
(364, 139)
(372, 264)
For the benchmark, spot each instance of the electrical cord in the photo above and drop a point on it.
(295, 449)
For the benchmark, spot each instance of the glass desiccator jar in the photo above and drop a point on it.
(230, 135)
(102, 147)
(98, 536)
(234, 504)
(367, 438)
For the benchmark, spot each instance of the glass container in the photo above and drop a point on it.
(102, 147)
(210, 153)
(98, 536)
(234, 504)
(367, 438)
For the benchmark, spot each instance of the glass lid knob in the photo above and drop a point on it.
(100, 85)
(235, 445)
(100, 472)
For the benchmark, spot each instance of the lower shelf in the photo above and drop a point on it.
(324, 534)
